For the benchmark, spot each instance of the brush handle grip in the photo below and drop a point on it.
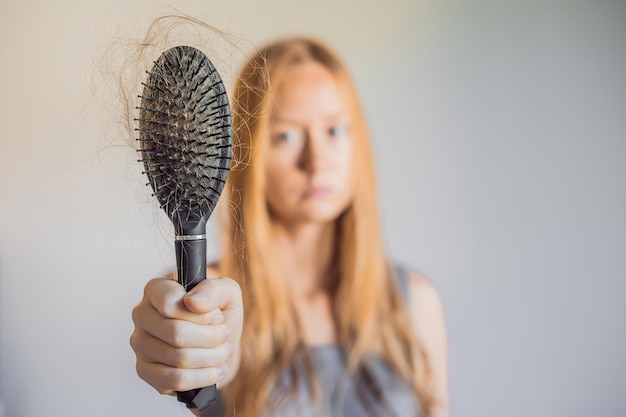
(200, 398)
(191, 266)
(191, 262)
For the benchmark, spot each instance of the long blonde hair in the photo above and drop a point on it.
(368, 309)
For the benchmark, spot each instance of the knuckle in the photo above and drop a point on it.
(163, 381)
(137, 343)
(150, 287)
(136, 313)
(167, 308)
(180, 359)
(180, 380)
(147, 289)
(142, 372)
(161, 294)
(134, 342)
(164, 391)
(234, 285)
(178, 336)
(169, 304)
(215, 335)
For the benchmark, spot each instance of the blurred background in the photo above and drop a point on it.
(500, 132)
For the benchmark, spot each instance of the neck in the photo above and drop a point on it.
(308, 251)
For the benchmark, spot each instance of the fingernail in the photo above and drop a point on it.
(198, 296)
(230, 349)
(223, 370)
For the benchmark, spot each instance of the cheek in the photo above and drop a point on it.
(345, 162)
(273, 182)
(345, 173)
(277, 182)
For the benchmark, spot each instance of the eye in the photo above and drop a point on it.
(288, 136)
(337, 130)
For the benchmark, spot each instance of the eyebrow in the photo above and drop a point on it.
(329, 117)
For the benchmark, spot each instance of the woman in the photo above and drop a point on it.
(330, 328)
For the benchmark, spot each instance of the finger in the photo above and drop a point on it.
(180, 333)
(166, 295)
(214, 293)
(151, 349)
(167, 379)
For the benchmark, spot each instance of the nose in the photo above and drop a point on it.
(315, 153)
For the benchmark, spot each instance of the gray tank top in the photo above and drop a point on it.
(376, 390)
(373, 391)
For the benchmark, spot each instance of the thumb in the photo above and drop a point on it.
(213, 293)
(198, 301)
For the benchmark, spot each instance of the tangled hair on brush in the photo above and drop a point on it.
(121, 66)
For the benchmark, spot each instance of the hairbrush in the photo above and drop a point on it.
(185, 143)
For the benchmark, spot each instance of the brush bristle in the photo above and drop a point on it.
(185, 134)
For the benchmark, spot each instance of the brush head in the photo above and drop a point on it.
(185, 136)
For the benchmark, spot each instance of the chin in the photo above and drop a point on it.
(323, 214)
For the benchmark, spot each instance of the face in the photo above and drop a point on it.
(309, 158)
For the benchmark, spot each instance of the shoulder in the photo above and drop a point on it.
(427, 315)
(423, 296)
(425, 309)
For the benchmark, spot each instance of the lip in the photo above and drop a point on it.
(317, 192)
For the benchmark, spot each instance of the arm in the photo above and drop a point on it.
(188, 340)
(426, 312)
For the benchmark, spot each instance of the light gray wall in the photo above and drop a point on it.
(500, 130)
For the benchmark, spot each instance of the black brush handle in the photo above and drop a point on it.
(191, 266)
(190, 261)
(200, 398)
